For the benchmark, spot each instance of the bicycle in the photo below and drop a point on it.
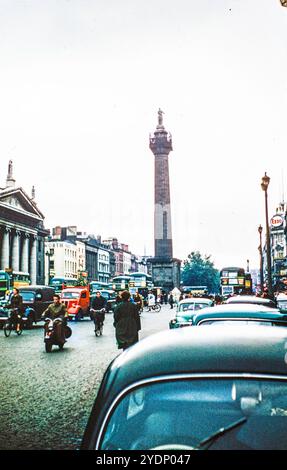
(155, 308)
(11, 324)
(98, 317)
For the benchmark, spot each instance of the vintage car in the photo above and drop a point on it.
(194, 388)
(251, 299)
(77, 301)
(109, 295)
(186, 309)
(36, 299)
(240, 313)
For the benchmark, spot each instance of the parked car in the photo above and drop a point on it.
(77, 301)
(186, 309)
(217, 388)
(110, 296)
(35, 300)
(247, 313)
(282, 302)
(251, 299)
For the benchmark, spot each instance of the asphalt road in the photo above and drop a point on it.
(46, 399)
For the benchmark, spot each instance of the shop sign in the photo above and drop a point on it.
(276, 221)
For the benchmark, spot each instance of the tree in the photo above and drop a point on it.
(199, 271)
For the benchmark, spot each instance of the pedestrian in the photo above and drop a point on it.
(126, 322)
(118, 298)
(165, 298)
(170, 300)
(138, 301)
(151, 300)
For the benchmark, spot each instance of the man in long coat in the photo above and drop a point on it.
(126, 322)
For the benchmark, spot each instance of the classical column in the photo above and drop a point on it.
(33, 260)
(16, 251)
(25, 254)
(5, 249)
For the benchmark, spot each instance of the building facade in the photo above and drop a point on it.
(22, 232)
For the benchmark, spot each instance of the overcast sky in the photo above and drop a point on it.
(81, 82)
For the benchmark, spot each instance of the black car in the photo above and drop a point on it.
(35, 300)
(110, 297)
(195, 388)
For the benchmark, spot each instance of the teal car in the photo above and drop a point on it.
(240, 314)
(186, 310)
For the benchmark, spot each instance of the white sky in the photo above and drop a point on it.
(80, 85)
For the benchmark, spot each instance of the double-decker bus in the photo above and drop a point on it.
(10, 279)
(234, 281)
(60, 283)
(121, 282)
(99, 285)
(141, 283)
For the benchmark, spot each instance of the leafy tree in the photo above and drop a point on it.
(199, 271)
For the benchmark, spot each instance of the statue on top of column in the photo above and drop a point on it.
(10, 169)
(160, 113)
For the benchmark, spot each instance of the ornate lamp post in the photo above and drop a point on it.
(264, 185)
(260, 228)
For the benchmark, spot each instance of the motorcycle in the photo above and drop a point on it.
(99, 318)
(51, 335)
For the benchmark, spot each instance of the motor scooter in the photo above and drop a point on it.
(50, 333)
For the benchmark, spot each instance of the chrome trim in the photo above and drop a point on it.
(227, 375)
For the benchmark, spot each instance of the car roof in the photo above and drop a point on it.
(69, 289)
(192, 300)
(249, 298)
(34, 287)
(241, 349)
(240, 311)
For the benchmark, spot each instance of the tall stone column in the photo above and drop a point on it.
(161, 145)
(33, 260)
(16, 251)
(25, 254)
(5, 249)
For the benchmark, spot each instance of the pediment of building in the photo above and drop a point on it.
(18, 200)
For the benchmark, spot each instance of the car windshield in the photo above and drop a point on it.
(27, 296)
(187, 412)
(70, 295)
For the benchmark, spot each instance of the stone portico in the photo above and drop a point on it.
(22, 232)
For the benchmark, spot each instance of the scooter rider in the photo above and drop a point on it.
(57, 310)
(98, 303)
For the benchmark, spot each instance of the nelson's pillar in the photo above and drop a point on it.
(165, 268)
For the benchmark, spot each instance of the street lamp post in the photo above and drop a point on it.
(264, 185)
(261, 257)
(48, 254)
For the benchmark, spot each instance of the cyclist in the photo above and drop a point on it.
(99, 303)
(16, 306)
(57, 310)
